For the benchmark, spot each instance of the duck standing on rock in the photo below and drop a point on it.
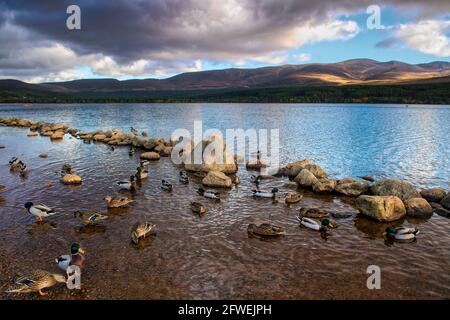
(166, 186)
(75, 258)
(141, 230)
(265, 194)
(198, 208)
(401, 233)
(117, 202)
(134, 131)
(89, 217)
(69, 177)
(210, 193)
(40, 211)
(141, 173)
(184, 178)
(35, 281)
(128, 185)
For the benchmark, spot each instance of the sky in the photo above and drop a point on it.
(127, 39)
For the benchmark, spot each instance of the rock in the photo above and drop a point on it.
(46, 133)
(139, 142)
(293, 169)
(440, 210)
(57, 135)
(381, 208)
(351, 187)
(217, 179)
(72, 131)
(324, 185)
(99, 137)
(393, 187)
(368, 178)
(433, 194)
(316, 170)
(166, 152)
(150, 156)
(32, 134)
(71, 179)
(255, 164)
(56, 127)
(2, 146)
(446, 201)
(43, 155)
(418, 208)
(305, 178)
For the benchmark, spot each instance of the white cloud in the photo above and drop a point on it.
(427, 36)
(302, 57)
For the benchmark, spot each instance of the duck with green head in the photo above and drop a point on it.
(401, 233)
(75, 258)
(265, 194)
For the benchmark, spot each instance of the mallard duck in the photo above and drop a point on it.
(140, 230)
(117, 202)
(144, 163)
(141, 173)
(184, 179)
(315, 225)
(313, 213)
(166, 186)
(14, 164)
(210, 193)
(89, 217)
(35, 281)
(293, 198)
(75, 258)
(198, 208)
(236, 180)
(134, 131)
(127, 185)
(40, 211)
(265, 194)
(131, 152)
(265, 229)
(255, 179)
(401, 233)
(66, 169)
(23, 169)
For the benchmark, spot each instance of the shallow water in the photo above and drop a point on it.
(213, 256)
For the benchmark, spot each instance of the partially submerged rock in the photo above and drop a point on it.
(150, 156)
(324, 185)
(418, 208)
(71, 179)
(393, 187)
(305, 178)
(216, 179)
(43, 155)
(440, 210)
(293, 169)
(351, 187)
(446, 201)
(381, 208)
(433, 194)
(32, 134)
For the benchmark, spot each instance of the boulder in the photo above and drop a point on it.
(351, 187)
(433, 194)
(32, 134)
(324, 185)
(57, 135)
(418, 208)
(71, 179)
(166, 152)
(305, 178)
(392, 187)
(446, 201)
(46, 133)
(150, 156)
(293, 169)
(139, 142)
(57, 126)
(381, 208)
(255, 164)
(99, 137)
(440, 210)
(316, 170)
(217, 179)
(43, 155)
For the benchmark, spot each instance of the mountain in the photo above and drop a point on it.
(339, 82)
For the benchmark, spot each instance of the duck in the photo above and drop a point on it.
(75, 258)
(66, 169)
(134, 131)
(255, 179)
(210, 193)
(89, 217)
(198, 208)
(166, 186)
(23, 169)
(141, 173)
(144, 163)
(127, 185)
(184, 179)
(2, 188)
(314, 224)
(401, 233)
(40, 211)
(131, 152)
(315, 213)
(141, 230)
(117, 202)
(36, 281)
(293, 198)
(14, 164)
(265, 229)
(265, 194)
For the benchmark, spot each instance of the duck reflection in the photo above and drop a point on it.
(41, 227)
(90, 229)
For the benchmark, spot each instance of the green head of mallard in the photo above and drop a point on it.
(76, 249)
(325, 222)
(275, 190)
(390, 230)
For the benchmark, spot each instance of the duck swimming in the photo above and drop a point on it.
(141, 173)
(40, 211)
(198, 208)
(128, 185)
(23, 170)
(184, 178)
(144, 163)
(293, 198)
(117, 202)
(313, 213)
(140, 230)
(265, 229)
(36, 281)
(265, 194)
(166, 186)
(313, 224)
(210, 193)
(131, 152)
(401, 233)
(89, 217)
(14, 164)
(75, 258)
(255, 179)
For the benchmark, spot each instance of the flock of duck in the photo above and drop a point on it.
(35, 281)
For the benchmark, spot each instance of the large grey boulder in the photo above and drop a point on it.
(351, 187)
(393, 187)
(381, 208)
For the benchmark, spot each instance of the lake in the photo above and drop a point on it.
(212, 257)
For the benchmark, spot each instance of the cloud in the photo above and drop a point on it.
(302, 57)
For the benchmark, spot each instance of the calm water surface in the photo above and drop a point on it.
(212, 256)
